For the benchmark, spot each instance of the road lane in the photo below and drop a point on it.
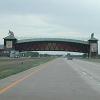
(57, 81)
(89, 71)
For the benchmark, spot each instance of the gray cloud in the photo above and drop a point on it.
(57, 7)
(77, 15)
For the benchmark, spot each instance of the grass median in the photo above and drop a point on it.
(13, 66)
(92, 60)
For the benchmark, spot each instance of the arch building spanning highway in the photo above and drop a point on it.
(52, 44)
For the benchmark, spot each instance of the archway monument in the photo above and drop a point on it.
(52, 44)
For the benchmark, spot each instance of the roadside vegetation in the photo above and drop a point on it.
(85, 57)
(10, 66)
(92, 60)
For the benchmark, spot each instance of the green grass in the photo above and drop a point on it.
(13, 66)
(92, 60)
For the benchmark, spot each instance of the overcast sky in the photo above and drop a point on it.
(50, 18)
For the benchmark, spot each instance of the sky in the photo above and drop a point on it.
(75, 19)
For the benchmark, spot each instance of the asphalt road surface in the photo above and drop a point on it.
(60, 79)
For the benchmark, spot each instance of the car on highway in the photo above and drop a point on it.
(69, 58)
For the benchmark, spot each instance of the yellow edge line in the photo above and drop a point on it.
(5, 89)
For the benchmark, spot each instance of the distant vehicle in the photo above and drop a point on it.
(69, 58)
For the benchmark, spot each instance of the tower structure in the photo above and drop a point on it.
(93, 43)
(10, 41)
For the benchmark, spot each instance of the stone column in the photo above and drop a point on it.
(9, 42)
(93, 43)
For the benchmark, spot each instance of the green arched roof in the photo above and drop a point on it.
(52, 39)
